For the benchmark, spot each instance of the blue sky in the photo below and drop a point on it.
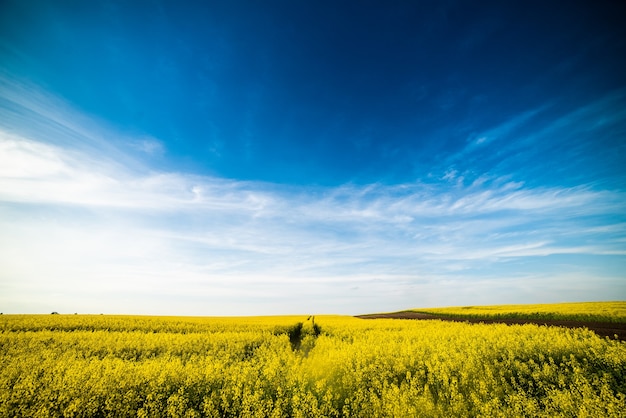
(284, 157)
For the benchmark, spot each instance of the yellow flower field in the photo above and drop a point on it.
(584, 311)
(326, 366)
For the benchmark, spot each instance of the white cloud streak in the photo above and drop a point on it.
(85, 230)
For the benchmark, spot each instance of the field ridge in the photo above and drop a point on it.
(607, 319)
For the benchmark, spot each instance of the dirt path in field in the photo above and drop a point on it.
(603, 329)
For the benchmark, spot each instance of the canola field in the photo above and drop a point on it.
(573, 311)
(326, 366)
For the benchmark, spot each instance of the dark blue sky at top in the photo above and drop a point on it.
(333, 92)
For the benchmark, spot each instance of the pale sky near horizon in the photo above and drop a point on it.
(253, 158)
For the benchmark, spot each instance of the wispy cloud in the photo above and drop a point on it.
(85, 230)
(505, 129)
(149, 146)
(551, 144)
